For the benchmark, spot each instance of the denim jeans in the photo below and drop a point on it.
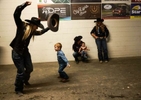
(84, 54)
(76, 55)
(24, 67)
(61, 71)
(102, 49)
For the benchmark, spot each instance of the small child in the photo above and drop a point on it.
(83, 50)
(62, 61)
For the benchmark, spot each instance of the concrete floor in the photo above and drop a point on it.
(119, 79)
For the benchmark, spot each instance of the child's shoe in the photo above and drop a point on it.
(64, 80)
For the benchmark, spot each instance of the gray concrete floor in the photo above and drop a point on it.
(119, 79)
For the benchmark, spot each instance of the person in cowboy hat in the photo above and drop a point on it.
(20, 54)
(100, 33)
(76, 46)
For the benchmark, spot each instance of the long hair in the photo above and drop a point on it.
(28, 31)
(102, 26)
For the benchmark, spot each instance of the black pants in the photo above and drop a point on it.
(24, 67)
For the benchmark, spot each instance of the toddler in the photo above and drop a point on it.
(83, 50)
(62, 61)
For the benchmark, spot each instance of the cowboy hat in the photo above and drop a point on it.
(36, 21)
(77, 38)
(99, 20)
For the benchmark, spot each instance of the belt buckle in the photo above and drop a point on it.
(101, 37)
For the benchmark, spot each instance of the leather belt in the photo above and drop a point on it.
(101, 37)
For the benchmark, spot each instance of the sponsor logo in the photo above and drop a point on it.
(107, 6)
(94, 9)
(81, 10)
(136, 9)
(50, 10)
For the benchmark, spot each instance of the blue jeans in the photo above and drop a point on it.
(102, 49)
(76, 55)
(24, 67)
(84, 54)
(61, 71)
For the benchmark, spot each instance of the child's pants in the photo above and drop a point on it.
(61, 72)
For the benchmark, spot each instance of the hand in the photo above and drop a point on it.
(96, 37)
(68, 65)
(28, 3)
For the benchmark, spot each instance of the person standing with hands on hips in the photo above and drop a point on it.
(100, 33)
(20, 53)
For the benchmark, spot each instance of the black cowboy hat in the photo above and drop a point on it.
(99, 20)
(36, 21)
(77, 38)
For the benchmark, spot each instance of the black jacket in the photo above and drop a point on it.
(17, 43)
(76, 46)
(100, 34)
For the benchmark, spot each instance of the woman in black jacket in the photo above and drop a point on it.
(76, 46)
(100, 32)
(20, 54)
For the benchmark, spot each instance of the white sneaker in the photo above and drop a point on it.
(106, 61)
(100, 61)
